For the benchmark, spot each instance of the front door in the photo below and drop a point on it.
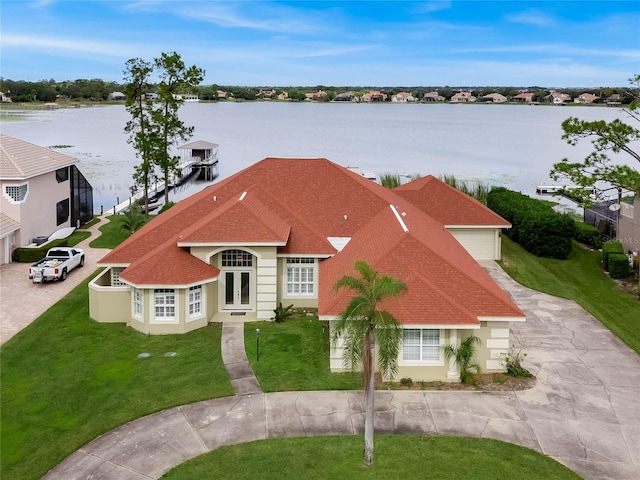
(237, 290)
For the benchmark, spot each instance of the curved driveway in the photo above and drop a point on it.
(584, 410)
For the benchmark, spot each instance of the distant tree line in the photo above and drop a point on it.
(98, 90)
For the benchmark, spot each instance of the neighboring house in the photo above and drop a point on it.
(557, 98)
(117, 96)
(222, 95)
(343, 97)
(284, 230)
(374, 96)
(283, 96)
(42, 191)
(629, 225)
(403, 97)
(614, 100)
(433, 97)
(494, 97)
(320, 96)
(4, 98)
(586, 98)
(462, 97)
(523, 97)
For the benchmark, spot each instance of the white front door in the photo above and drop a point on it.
(237, 293)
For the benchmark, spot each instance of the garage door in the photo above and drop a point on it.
(481, 244)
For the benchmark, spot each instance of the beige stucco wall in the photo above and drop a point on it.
(494, 344)
(629, 225)
(109, 304)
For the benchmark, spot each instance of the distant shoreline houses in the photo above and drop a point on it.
(459, 96)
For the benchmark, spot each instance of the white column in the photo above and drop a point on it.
(453, 372)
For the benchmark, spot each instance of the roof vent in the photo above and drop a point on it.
(244, 194)
(215, 199)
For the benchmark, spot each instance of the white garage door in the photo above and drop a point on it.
(481, 244)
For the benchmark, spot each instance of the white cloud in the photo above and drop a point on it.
(532, 17)
(428, 7)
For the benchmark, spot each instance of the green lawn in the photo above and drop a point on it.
(578, 278)
(111, 235)
(294, 356)
(396, 457)
(66, 379)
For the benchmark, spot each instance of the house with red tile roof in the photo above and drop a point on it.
(285, 230)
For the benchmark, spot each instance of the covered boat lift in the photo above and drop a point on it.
(201, 159)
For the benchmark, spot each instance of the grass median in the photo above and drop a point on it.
(397, 457)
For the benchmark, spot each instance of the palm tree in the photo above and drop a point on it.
(132, 219)
(463, 356)
(360, 325)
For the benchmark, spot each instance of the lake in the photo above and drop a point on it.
(510, 145)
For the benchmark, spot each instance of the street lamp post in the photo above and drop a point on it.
(257, 344)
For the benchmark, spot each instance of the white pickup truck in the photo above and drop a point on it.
(57, 264)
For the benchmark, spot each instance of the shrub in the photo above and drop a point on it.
(608, 248)
(31, 255)
(282, 313)
(513, 362)
(618, 265)
(406, 382)
(464, 357)
(588, 234)
(535, 224)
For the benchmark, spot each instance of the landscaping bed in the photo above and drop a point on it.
(486, 382)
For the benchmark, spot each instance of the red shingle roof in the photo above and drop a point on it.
(445, 285)
(448, 205)
(297, 204)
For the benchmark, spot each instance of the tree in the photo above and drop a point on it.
(132, 219)
(175, 78)
(615, 136)
(360, 325)
(140, 128)
(463, 356)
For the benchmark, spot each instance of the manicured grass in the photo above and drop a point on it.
(396, 457)
(294, 356)
(66, 379)
(578, 278)
(111, 233)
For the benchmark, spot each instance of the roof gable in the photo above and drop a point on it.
(246, 220)
(432, 263)
(447, 204)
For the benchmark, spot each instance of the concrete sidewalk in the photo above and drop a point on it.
(584, 410)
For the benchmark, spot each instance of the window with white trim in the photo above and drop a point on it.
(137, 302)
(300, 276)
(421, 345)
(195, 301)
(164, 302)
(236, 258)
(16, 193)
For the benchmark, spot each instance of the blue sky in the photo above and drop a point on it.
(359, 43)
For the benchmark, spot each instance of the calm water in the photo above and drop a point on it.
(510, 145)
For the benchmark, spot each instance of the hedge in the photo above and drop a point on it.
(589, 235)
(535, 224)
(31, 255)
(609, 248)
(619, 265)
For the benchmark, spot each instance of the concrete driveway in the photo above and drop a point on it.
(22, 301)
(584, 410)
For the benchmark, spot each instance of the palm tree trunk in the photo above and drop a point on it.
(369, 393)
